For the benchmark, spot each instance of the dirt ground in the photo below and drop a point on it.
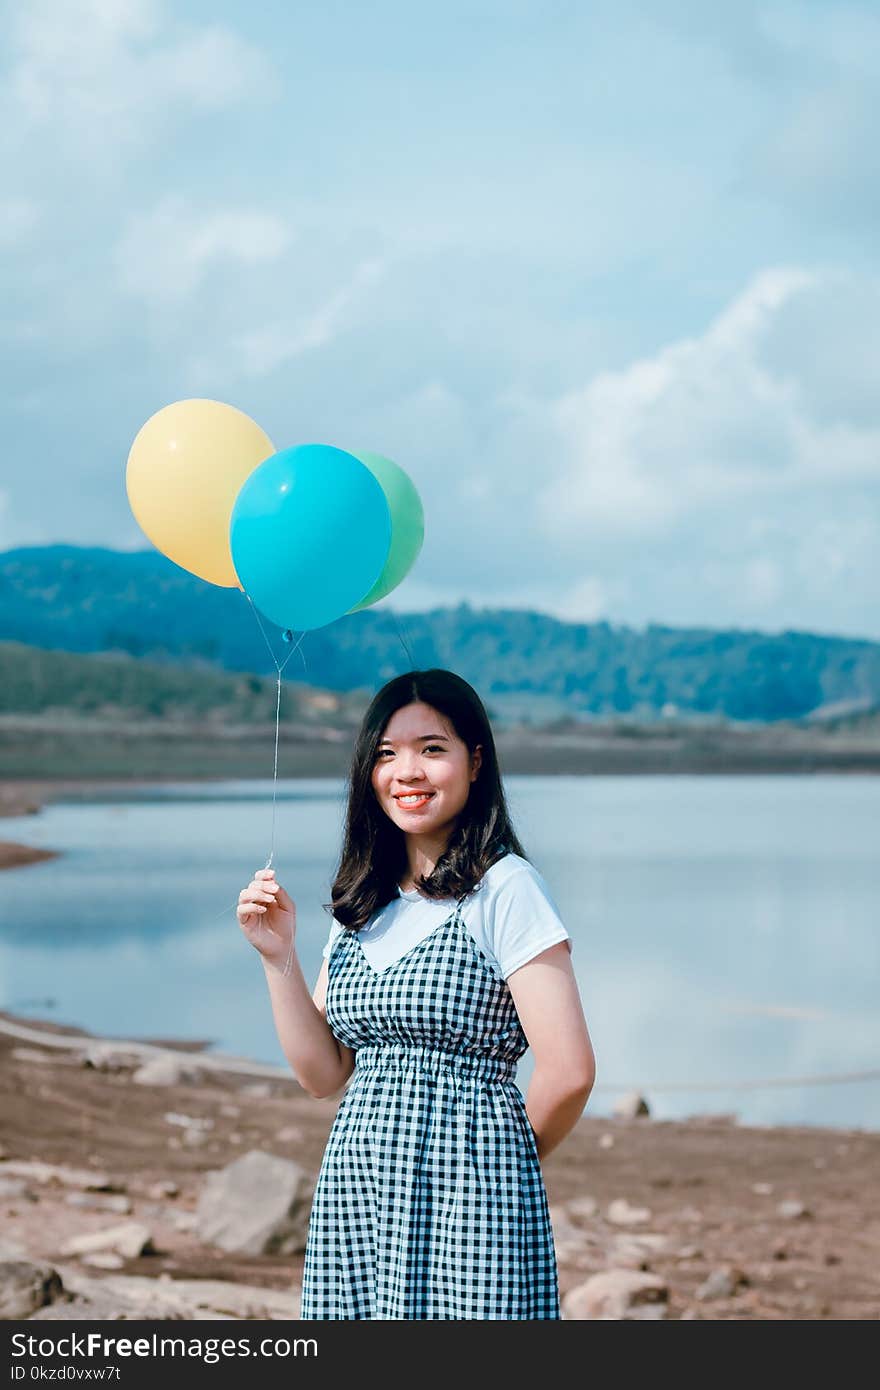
(712, 1187)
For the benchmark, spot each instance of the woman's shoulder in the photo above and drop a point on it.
(509, 866)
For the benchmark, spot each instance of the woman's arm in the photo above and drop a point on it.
(547, 1000)
(267, 916)
(320, 1063)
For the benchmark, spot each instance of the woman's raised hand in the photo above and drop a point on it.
(267, 916)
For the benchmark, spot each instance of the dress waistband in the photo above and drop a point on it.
(384, 1056)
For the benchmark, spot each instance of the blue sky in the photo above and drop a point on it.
(602, 277)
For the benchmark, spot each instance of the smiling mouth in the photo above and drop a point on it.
(413, 798)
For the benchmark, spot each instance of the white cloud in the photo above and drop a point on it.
(105, 75)
(256, 352)
(165, 254)
(587, 600)
(706, 422)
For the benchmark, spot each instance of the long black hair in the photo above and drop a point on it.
(373, 857)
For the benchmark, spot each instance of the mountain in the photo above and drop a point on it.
(144, 613)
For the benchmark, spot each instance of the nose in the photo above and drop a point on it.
(408, 771)
(407, 775)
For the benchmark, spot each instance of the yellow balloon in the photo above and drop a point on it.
(185, 469)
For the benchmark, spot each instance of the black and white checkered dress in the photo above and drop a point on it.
(430, 1201)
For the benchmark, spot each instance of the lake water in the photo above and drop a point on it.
(725, 929)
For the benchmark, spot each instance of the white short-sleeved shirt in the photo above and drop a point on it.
(511, 917)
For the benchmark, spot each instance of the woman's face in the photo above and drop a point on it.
(419, 752)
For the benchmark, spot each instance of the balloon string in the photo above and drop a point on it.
(279, 669)
(403, 640)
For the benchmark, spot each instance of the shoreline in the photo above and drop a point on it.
(730, 1221)
(28, 796)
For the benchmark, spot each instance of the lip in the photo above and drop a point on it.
(428, 795)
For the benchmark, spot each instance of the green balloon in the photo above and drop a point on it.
(407, 525)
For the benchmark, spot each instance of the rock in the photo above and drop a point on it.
(194, 1138)
(165, 1070)
(99, 1201)
(722, 1283)
(290, 1134)
(184, 1220)
(622, 1214)
(103, 1259)
(130, 1239)
(97, 1308)
(583, 1207)
(10, 1188)
(260, 1090)
(140, 1298)
(30, 1054)
(571, 1242)
(231, 1112)
(195, 1131)
(160, 1190)
(618, 1294)
(106, 1057)
(792, 1209)
(26, 1286)
(258, 1204)
(12, 1249)
(630, 1106)
(688, 1252)
(762, 1189)
(84, 1178)
(632, 1251)
(171, 1117)
(606, 1141)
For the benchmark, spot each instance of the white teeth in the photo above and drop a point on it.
(411, 800)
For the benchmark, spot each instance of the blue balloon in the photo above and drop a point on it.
(309, 535)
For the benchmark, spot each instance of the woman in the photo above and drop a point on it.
(445, 961)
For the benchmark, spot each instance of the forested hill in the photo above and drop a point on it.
(526, 665)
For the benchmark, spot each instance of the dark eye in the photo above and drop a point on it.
(429, 748)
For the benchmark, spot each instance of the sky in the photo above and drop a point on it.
(602, 277)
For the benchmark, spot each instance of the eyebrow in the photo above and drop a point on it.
(420, 739)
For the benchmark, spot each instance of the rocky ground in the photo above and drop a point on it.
(701, 1219)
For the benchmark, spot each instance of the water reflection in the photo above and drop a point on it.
(724, 927)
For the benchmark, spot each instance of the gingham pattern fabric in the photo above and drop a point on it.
(430, 1201)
